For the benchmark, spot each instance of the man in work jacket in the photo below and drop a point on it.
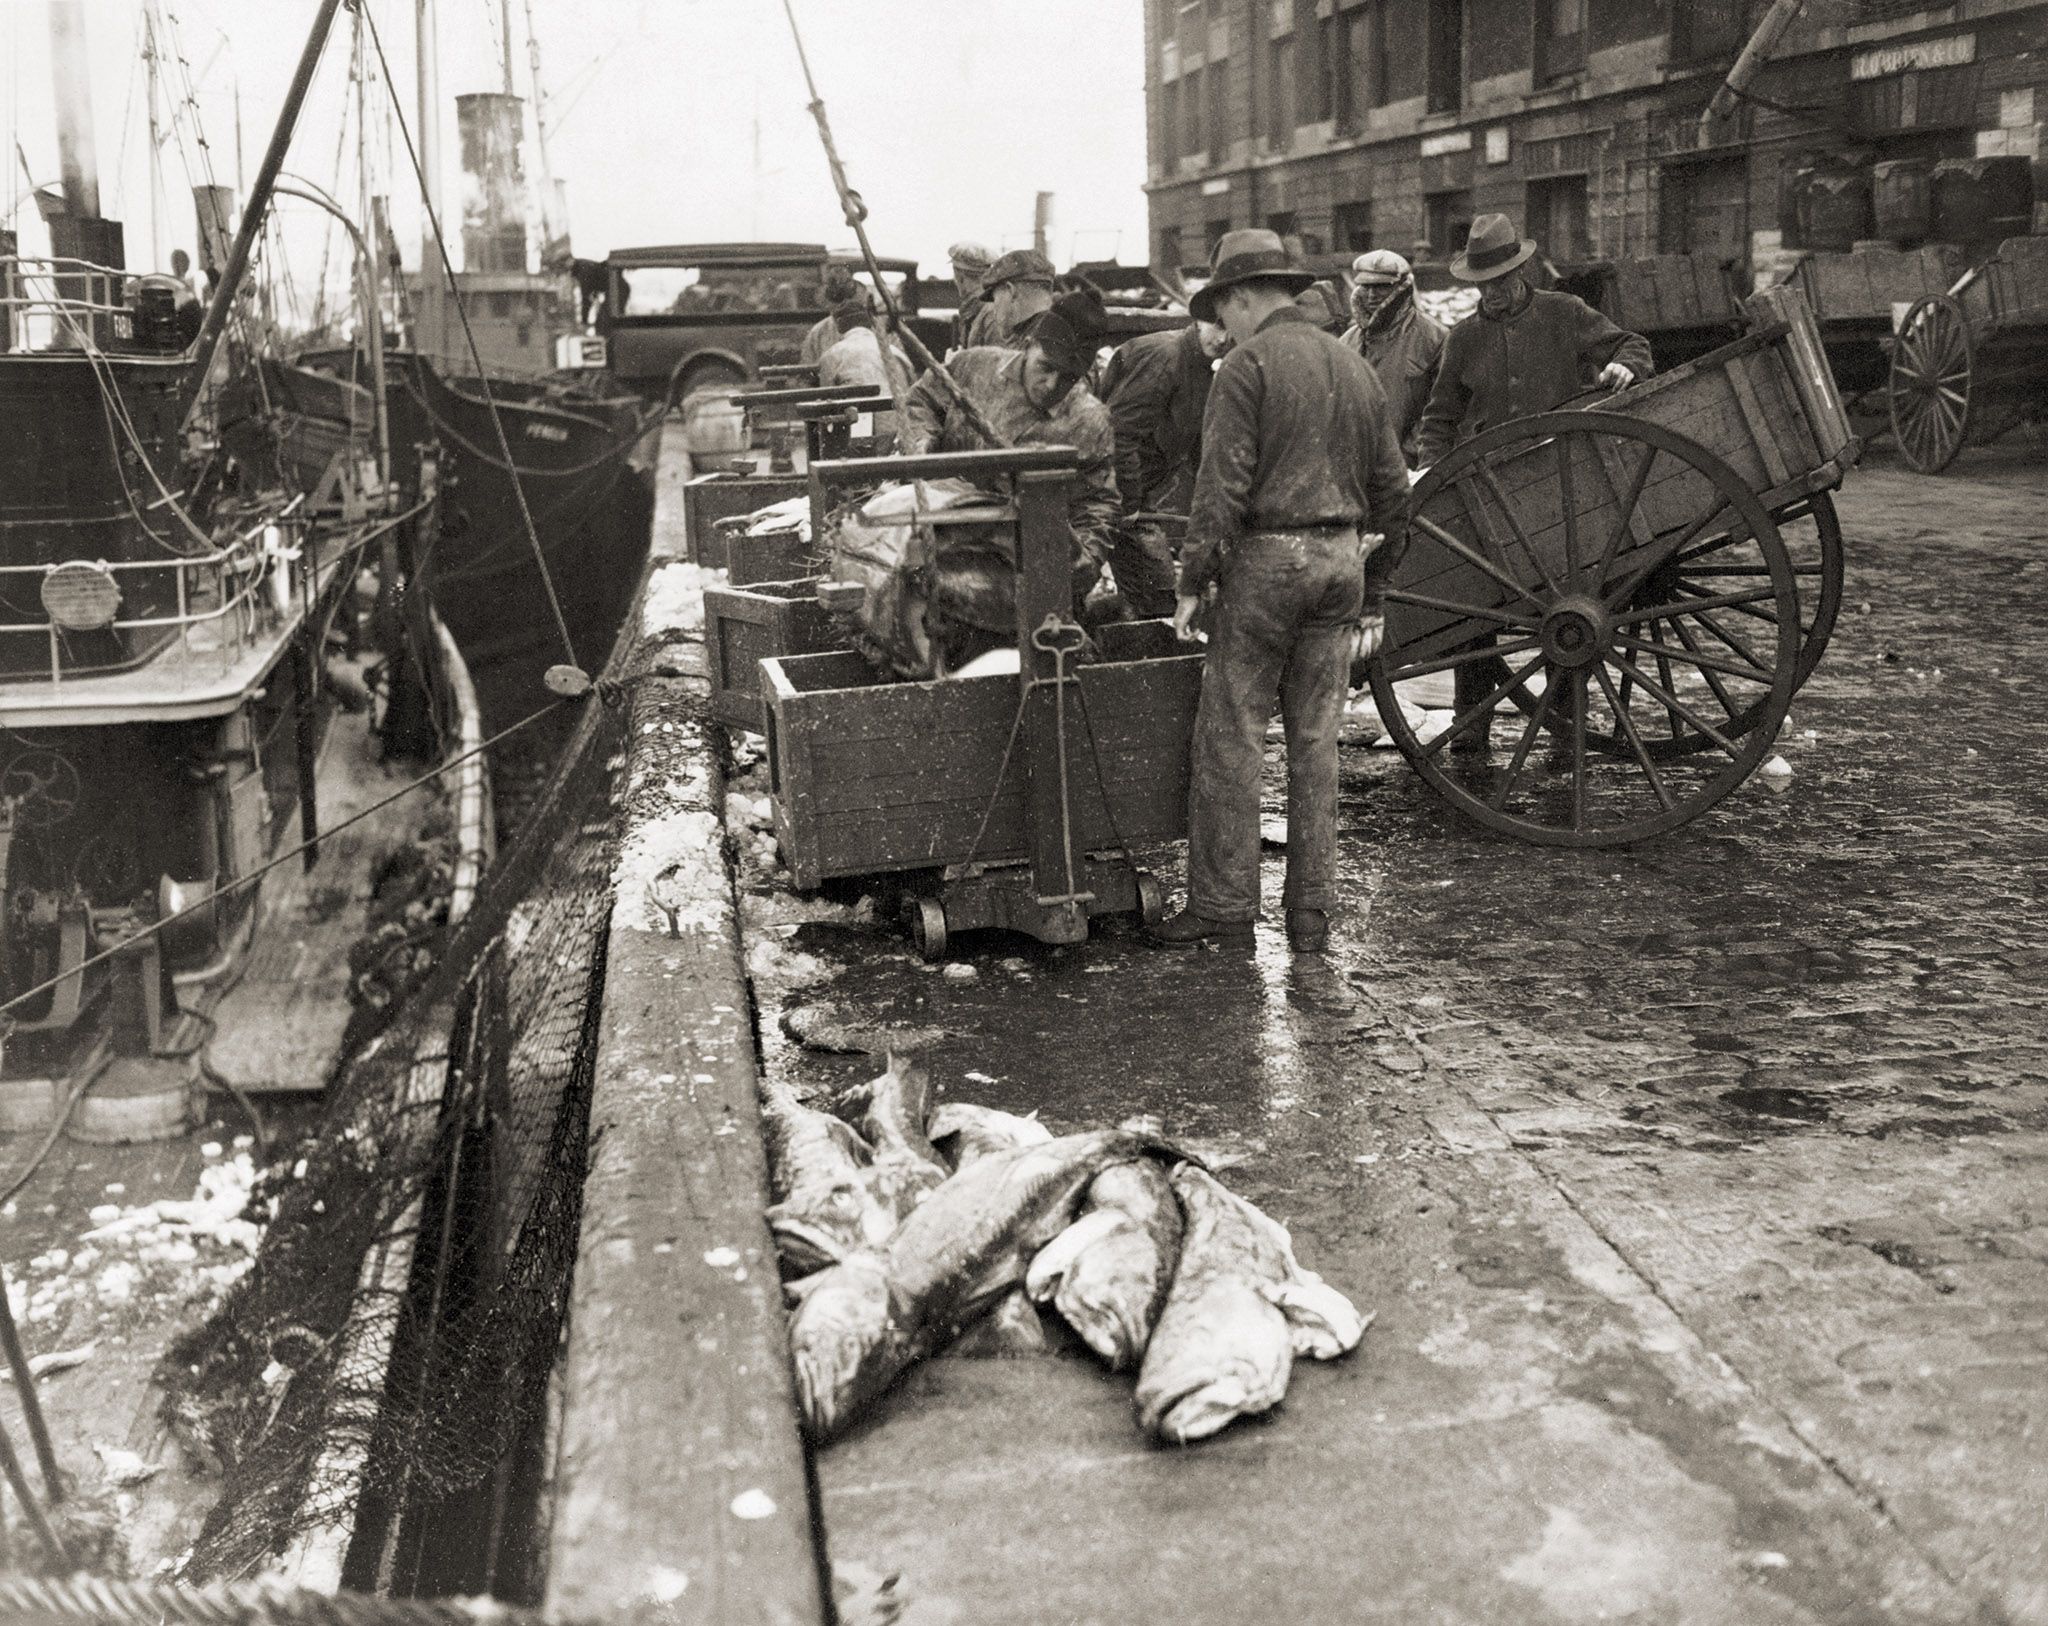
(1299, 468)
(1019, 290)
(1156, 386)
(1033, 396)
(970, 264)
(1403, 342)
(1524, 351)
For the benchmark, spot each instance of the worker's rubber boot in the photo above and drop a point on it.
(1308, 931)
(1184, 929)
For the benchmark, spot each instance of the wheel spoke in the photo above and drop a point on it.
(1579, 750)
(1728, 638)
(1463, 657)
(1464, 722)
(1720, 601)
(1697, 657)
(1478, 561)
(1707, 671)
(1674, 704)
(1661, 554)
(1621, 519)
(1501, 792)
(1568, 499)
(1628, 732)
(1670, 683)
(1424, 601)
(1493, 489)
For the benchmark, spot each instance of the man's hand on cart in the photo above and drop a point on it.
(1372, 628)
(1614, 376)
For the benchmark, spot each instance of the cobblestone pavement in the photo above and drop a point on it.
(1697, 1188)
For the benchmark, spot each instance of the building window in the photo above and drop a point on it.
(1169, 123)
(1312, 64)
(1212, 234)
(1560, 39)
(1217, 77)
(1169, 248)
(1284, 223)
(1361, 65)
(1280, 90)
(1557, 217)
(1191, 112)
(1446, 56)
(1449, 221)
(1351, 227)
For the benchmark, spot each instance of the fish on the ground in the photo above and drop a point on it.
(1109, 1272)
(825, 1207)
(892, 1110)
(1240, 1308)
(1013, 1327)
(964, 1132)
(968, 1244)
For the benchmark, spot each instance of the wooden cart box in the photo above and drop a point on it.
(2014, 286)
(872, 776)
(1671, 291)
(780, 556)
(1865, 284)
(745, 625)
(1765, 405)
(709, 498)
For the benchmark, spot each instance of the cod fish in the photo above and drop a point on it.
(866, 1320)
(825, 1207)
(893, 1107)
(1108, 1273)
(964, 1132)
(1238, 1312)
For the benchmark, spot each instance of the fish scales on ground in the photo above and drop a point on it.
(1109, 1272)
(1240, 1309)
(966, 1246)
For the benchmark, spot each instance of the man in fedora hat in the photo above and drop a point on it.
(1033, 396)
(1402, 341)
(1525, 351)
(1300, 467)
(1019, 289)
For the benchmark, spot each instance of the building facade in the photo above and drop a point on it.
(1357, 124)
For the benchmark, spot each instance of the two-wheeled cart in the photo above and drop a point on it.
(1971, 364)
(1619, 583)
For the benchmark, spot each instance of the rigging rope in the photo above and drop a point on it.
(547, 580)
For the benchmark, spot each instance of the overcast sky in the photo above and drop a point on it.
(673, 120)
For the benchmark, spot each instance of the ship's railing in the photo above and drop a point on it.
(222, 601)
(51, 302)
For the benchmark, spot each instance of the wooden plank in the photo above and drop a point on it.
(1763, 432)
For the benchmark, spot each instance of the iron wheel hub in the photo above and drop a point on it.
(1576, 631)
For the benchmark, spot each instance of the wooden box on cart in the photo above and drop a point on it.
(744, 626)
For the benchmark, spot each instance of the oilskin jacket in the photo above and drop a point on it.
(821, 336)
(1297, 437)
(1496, 368)
(1406, 353)
(1156, 387)
(994, 381)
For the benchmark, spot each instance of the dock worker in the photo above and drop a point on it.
(859, 357)
(1523, 351)
(1034, 397)
(1404, 343)
(970, 264)
(1300, 475)
(839, 287)
(1156, 387)
(1019, 290)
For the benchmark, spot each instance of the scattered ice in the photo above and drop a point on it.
(753, 1504)
(121, 1467)
(722, 1258)
(675, 597)
(960, 971)
(1777, 768)
(210, 1149)
(665, 1585)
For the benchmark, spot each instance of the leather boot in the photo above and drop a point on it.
(1184, 929)
(1308, 931)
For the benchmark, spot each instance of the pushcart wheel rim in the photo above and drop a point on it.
(1928, 393)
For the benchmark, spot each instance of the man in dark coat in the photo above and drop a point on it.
(1300, 469)
(1524, 351)
(970, 264)
(1403, 342)
(1019, 289)
(1155, 387)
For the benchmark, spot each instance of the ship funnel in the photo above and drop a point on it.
(493, 181)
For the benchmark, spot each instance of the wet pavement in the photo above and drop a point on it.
(1697, 1188)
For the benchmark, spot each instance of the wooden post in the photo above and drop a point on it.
(1045, 553)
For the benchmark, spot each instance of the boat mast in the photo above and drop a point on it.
(505, 37)
(156, 142)
(540, 133)
(71, 66)
(373, 277)
(257, 205)
(427, 337)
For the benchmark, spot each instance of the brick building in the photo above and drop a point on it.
(1386, 123)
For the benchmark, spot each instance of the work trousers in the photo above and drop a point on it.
(1284, 624)
(1141, 561)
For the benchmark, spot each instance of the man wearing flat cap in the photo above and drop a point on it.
(1033, 396)
(1019, 290)
(970, 265)
(1402, 341)
(1301, 476)
(1525, 351)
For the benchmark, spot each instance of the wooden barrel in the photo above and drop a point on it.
(1981, 200)
(1900, 199)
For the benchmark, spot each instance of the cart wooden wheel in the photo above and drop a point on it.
(926, 918)
(1932, 359)
(1151, 899)
(1534, 554)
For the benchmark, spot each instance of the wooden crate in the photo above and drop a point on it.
(709, 498)
(1863, 285)
(872, 776)
(2018, 281)
(782, 556)
(743, 626)
(1667, 291)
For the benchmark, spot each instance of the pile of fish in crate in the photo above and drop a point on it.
(903, 1228)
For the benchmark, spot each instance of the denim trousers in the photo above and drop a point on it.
(1283, 628)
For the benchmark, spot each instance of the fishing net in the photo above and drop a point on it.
(383, 1368)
